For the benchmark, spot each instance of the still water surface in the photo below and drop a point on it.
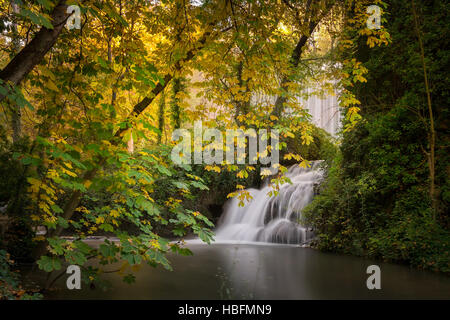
(259, 271)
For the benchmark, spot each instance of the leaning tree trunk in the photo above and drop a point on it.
(311, 22)
(33, 53)
(16, 121)
(138, 109)
(161, 122)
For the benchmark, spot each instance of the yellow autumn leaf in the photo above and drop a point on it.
(52, 86)
(100, 220)
(114, 213)
(87, 183)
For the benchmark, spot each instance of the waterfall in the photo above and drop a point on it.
(324, 110)
(272, 219)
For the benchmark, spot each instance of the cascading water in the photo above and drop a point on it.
(272, 218)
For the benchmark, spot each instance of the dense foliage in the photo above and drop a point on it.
(10, 282)
(376, 200)
(87, 115)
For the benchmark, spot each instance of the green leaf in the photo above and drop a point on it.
(163, 170)
(36, 18)
(75, 257)
(61, 221)
(132, 259)
(108, 250)
(45, 3)
(56, 245)
(49, 264)
(129, 278)
(199, 185)
(106, 227)
(159, 258)
(82, 246)
(180, 185)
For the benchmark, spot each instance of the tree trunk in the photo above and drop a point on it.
(69, 209)
(294, 61)
(312, 21)
(16, 121)
(161, 122)
(176, 107)
(432, 131)
(75, 197)
(33, 53)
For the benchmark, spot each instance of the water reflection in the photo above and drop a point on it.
(245, 271)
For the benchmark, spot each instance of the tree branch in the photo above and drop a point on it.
(32, 54)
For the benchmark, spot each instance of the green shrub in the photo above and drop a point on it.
(10, 284)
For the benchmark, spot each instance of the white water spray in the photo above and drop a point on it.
(272, 219)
